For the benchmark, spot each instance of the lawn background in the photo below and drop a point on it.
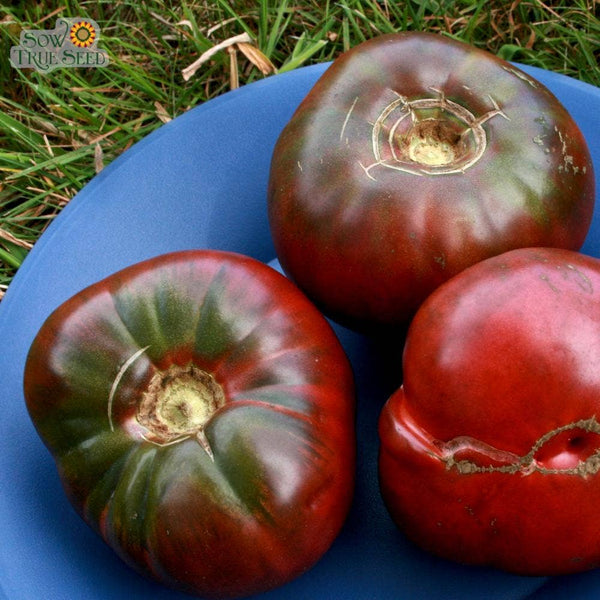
(57, 130)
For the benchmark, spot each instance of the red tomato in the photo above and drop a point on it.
(413, 157)
(490, 450)
(201, 414)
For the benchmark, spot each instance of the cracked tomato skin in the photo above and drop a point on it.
(490, 449)
(368, 227)
(260, 495)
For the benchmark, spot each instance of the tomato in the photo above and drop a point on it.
(490, 449)
(413, 157)
(200, 411)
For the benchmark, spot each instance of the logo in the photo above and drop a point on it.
(72, 43)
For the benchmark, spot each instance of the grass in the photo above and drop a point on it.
(57, 130)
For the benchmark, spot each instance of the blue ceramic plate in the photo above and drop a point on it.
(200, 181)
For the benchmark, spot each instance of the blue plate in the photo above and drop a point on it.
(200, 181)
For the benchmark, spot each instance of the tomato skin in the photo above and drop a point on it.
(268, 497)
(369, 241)
(489, 449)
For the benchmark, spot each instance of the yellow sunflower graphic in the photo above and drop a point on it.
(82, 34)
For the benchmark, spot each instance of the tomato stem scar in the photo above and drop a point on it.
(177, 405)
(428, 136)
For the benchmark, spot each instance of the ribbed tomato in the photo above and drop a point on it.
(413, 157)
(201, 414)
(490, 451)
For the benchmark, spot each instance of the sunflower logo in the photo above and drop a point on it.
(82, 34)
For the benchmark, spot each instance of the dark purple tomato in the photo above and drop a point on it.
(490, 450)
(413, 157)
(200, 411)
